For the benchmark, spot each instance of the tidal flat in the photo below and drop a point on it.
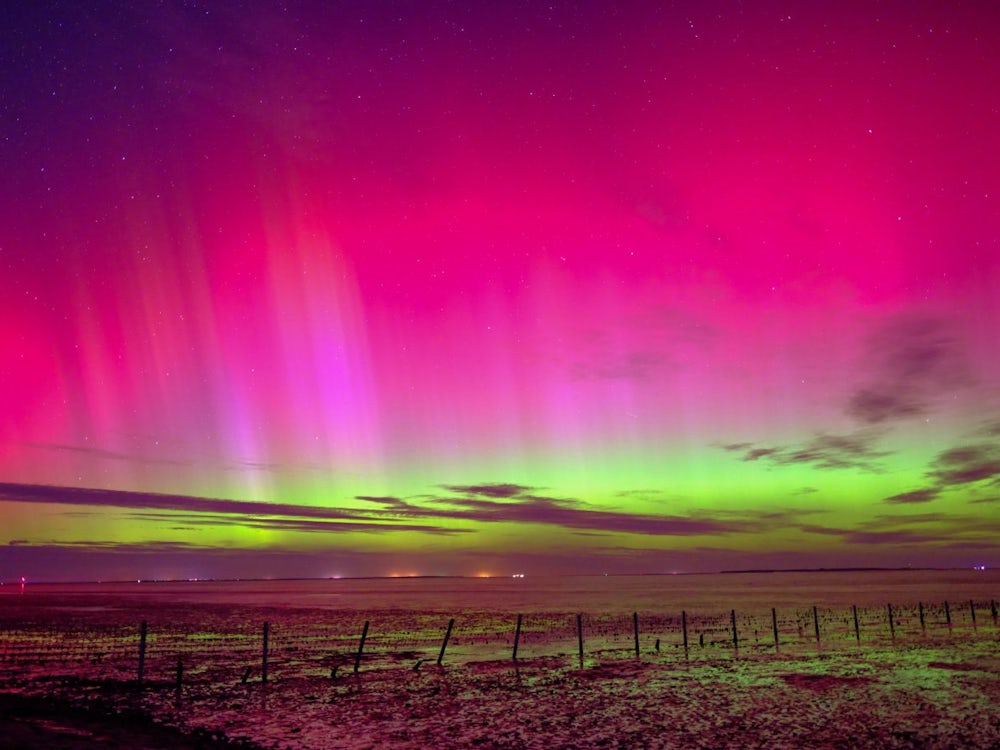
(675, 664)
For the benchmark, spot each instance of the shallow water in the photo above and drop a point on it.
(597, 594)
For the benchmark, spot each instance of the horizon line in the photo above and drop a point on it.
(515, 576)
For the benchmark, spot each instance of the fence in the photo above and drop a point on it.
(178, 645)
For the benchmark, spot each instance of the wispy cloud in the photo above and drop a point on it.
(915, 528)
(912, 360)
(512, 503)
(471, 504)
(494, 503)
(913, 496)
(989, 429)
(857, 450)
(498, 490)
(966, 464)
(208, 511)
(641, 345)
(102, 453)
(41, 493)
(311, 525)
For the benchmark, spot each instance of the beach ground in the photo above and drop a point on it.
(936, 695)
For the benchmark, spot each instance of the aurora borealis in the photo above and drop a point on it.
(315, 289)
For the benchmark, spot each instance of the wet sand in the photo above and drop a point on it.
(921, 677)
(944, 695)
(32, 722)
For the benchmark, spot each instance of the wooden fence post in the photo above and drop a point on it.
(517, 635)
(684, 629)
(923, 626)
(857, 629)
(993, 611)
(972, 611)
(947, 613)
(736, 642)
(361, 648)
(180, 673)
(816, 624)
(579, 636)
(444, 643)
(263, 653)
(635, 628)
(892, 625)
(142, 652)
(774, 626)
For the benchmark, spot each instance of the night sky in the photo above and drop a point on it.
(365, 288)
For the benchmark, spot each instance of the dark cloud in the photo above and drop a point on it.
(825, 451)
(572, 514)
(966, 464)
(213, 511)
(513, 503)
(919, 348)
(914, 528)
(912, 359)
(754, 453)
(482, 503)
(497, 490)
(108, 544)
(989, 429)
(297, 524)
(387, 501)
(901, 537)
(824, 530)
(887, 537)
(913, 496)
(40, 493)
(736, 447)
(875, 404)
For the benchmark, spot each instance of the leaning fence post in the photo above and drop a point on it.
(947, 613)
(736, 642)
(444, 643)
(361, 647)
(892, 625)
(972, 611)
(142, 651)
(816, 624)
(263, 653)
(579, 636)
(993, 611)
(635, 628)
(517, 635)
(857, 629)
(923, 626)
(774, 626)
(684, 629)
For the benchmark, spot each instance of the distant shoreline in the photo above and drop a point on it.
(738, 571)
